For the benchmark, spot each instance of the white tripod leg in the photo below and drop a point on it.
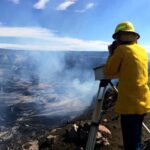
(97, 115)
(147, 129)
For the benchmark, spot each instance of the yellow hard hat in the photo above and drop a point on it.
(125, 27)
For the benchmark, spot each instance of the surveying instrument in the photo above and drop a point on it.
(99, 108)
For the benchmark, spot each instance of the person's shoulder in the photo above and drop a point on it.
(121, 47)
(130, 46)
(124, 48)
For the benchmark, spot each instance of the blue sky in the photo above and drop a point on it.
(69, 24)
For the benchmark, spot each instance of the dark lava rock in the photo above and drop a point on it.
(146, 145)
(45, 144)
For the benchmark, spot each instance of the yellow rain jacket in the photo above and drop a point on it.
(130, 63)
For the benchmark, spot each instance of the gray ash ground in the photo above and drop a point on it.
(19, 125)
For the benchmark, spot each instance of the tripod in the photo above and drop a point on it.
(98, 112)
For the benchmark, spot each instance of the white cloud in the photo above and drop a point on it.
(15, 1)
(87, 7)
(29, 32)
(66, 4)
(44, 39)
(41, 4)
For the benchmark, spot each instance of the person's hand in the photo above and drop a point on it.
(113, 46)
(110, 49)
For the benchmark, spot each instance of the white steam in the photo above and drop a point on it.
(72, 88)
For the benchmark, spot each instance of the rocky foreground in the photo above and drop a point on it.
(73, 136)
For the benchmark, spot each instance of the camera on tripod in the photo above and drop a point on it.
(99, 74)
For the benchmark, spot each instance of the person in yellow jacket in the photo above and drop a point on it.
(129, 62)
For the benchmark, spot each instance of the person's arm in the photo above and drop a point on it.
(113, 63)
